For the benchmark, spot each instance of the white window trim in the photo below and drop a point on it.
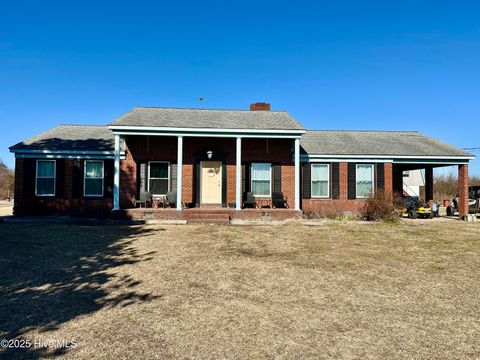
(328, 182)
(169, 177)
(85, 177)
(356, 180)
(251, 181)
(45, 177)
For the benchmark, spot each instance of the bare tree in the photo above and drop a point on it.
(446, 186)
(6, 181)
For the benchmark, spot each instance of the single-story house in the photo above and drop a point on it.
(218, 161)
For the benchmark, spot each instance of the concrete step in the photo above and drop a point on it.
(207, 216)
(208, 221)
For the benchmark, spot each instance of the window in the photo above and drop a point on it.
(364, 180)
(93, 184)
(261, 179)
(45, 180)
(320, 180)
(158, 177)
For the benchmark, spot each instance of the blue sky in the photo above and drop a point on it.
(385, 65)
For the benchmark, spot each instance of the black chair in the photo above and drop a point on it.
(172, 198)
(249, 200)
(145, 198)
(278, 200)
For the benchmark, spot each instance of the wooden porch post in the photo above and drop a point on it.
(179, 171)
(116, 175)
(238, 173)
(297, 174)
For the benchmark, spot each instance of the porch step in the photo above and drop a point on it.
(208, 217)
(209, 221)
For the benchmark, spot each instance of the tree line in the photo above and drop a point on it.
(446, 186)
(6, 181)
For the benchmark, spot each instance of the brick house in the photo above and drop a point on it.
(218, 162)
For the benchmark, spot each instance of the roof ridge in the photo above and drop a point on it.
(393, 131)
(85, 125)
(187, 108)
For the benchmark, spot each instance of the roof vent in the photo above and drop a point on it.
(260, 106)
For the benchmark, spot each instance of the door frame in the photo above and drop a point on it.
(221, 182)
(217, 155)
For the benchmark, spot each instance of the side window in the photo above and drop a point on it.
(364, 180)
(262, 179)
(158, 177)
(45, 178)
(94, 176)
(320, 180)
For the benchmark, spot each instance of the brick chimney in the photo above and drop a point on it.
(260, 106)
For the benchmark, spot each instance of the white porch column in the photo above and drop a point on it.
(116, 175)
(238, 173)
(179, 171)
(297, 174)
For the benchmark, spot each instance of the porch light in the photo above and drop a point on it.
(209, 154)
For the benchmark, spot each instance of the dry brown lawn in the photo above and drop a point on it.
(341, 290)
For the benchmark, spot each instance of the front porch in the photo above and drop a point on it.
(230, 172)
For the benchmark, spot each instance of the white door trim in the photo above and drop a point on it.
(201, 182)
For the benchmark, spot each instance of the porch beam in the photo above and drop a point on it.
(238, 173)
(116, 175)
(297, 174)
(179, 171)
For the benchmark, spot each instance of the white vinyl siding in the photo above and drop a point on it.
(262, 179)
(320, 180)
(364, 176)
(45, 178)
(158, 177)
(93, 178)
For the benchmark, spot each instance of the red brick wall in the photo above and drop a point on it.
(343, 204)
(28, 204)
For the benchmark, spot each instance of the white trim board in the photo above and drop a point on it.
(61, 156)
(70, 152)
(430, 157)
(212, 134)
(206, 130)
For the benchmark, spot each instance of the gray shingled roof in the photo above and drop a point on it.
(206, 118)
(391, 143)
(71, 137)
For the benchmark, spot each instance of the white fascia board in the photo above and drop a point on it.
(324, 160)
(70, 152)
(205, 130)
(64, 156)
(415, 157)
(206, 134)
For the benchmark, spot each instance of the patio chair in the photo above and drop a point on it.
(249, 200)
(145, 198)
(278, 200)
(172, 199)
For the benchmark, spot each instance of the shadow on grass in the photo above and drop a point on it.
(53, 273)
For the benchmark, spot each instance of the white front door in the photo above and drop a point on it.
(211, 185)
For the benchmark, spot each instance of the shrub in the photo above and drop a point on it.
(335, 210)
(381, 206)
